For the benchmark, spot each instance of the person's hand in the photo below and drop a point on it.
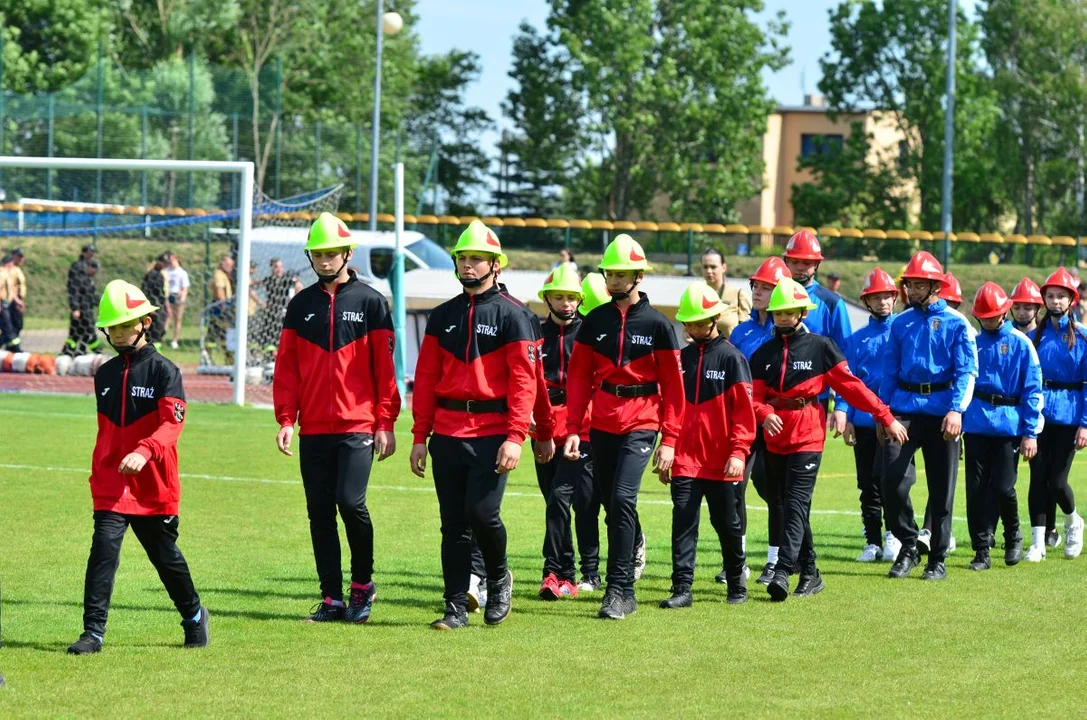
(571, 449)
(850, 434)
(509, 454)
(417, 459)
(1081, 438)
(896, 432)
(76, 314)
(836, 422)
(545, 450)
(663, 459)
(734, 467)
(283, 439)
(20, 303)
(384, 444)
(952, 426)
(1028, 448)
(773, 424)
(132, 463)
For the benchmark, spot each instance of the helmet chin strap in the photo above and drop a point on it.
(805, 280)
(933, 289)
(565, 317)
(126, 349)
(623, 294)
(471, 283)
(875, 314)
(327, 279)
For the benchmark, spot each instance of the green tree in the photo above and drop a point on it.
(155, 30)
(49, 44)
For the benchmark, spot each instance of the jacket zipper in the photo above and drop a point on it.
(562, 355)
(331, 334)
(471, 312)
(622, 332)
(784, 363)
(124, 391)
(698, 378)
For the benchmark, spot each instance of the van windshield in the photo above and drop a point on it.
(433, 254)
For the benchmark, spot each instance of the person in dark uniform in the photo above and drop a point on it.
(154, 287)
(82, 307)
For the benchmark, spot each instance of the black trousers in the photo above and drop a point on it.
(941, 469)
(158, 535)
(82, 336)
(1049, 473)
(755, 470)
(335, 474)
(725, 501)
(469, 502)
(8, 333)
(571, 484)
(618, 464)
(869, 459)
(795, 474)
(992, 466)
(157, 331)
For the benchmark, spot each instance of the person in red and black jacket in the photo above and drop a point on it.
(334, 376)
(475, 389)
(134, 477)
(626, 363)
(718, 429)
(788, 373)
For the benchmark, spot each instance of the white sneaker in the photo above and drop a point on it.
(891, 547)
(1035, 553)
(1073, 538)
(173, 344)
(871, 553)
(924, 542)
(639, 558)
(477, 596)
(951, 545)
(747, 572)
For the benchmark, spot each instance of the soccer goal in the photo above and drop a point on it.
(125, 218)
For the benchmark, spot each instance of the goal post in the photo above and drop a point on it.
(244, 214)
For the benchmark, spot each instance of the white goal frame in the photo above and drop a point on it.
(245, 224)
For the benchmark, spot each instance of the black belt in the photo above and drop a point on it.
(997, 399)
(473, 406)
(557, 396)
(923, 388)
(629, 391)
(791, 403)
(1055, 385)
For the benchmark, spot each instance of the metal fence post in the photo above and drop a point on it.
(192, 119)
(317, 157)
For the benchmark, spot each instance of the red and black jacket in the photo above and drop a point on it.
(334, 368)
(141, 408)
(719, 416)
(625, 347)
(542, 426)
(788, 374)
(477, 348)
(558, 344)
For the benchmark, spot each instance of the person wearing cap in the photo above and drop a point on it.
(154, 288)
(86, 253)
(829, 317)
(1001, 423)
(339, 330)
(951, 292)
(865, 358)
(475, 389)
(82, 307)
(17, 302)
(929, 369)
(788, 374)
(718, 429)
(736, 299)
(748, 337)
(1061, 344)
(834, 281)
(567, 482)
(625, 363)
(134, 475)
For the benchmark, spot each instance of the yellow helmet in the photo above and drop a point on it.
(594, 293)
(699, 302)
(563, 279)
(122, 302)
(624, 253)
(478, 237)
(789, 295)
(328, 232)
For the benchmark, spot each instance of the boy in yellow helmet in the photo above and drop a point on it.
(134, 476)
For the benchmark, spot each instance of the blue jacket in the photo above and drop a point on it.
(932, 345)
(1059, 364)
(865, 358)
(749, 335)
(830, 318)
(1007, 366)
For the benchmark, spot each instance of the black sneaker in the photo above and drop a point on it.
(85, 645)
(499, 600)
(905, 563)
(360, 604)
(589, 583)
(721, 577)
(737, 594)
(779, 586)
(1013, 549)
(981, 561)
(327, 612)
(809, 585)
(681, 598)
(935, 571)
(453, 619)
(196, 631)
(612, 606)
(630, 605)
(767, 574)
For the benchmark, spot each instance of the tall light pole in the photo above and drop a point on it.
(949, 134)
(390, 23)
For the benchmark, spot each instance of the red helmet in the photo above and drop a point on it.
(991, 301)
(922, 266)
(772, 270)
(877, 282)
(1027, 292)
(951, 290)
(1063, 279)
(804, 246)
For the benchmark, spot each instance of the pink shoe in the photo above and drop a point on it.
(550, 588)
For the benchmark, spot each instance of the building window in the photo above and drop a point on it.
(819, 145)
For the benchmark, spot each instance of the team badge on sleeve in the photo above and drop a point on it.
(532, 353)
(179, 412)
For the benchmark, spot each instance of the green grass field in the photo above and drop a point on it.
(1005, 643)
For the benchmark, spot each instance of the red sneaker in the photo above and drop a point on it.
(550, 587)
(567, 589)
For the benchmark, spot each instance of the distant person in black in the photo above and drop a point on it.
(83, 307)
(154, 287)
